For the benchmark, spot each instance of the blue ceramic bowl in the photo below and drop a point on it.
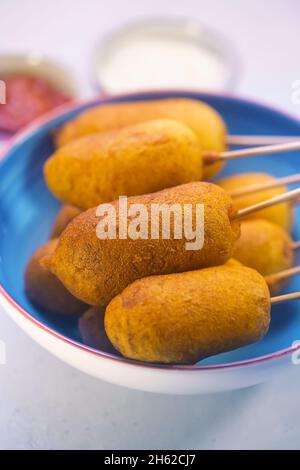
(27, 210)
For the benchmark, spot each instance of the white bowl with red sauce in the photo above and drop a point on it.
(30, 86)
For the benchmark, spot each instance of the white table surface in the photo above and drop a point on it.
(46, 404)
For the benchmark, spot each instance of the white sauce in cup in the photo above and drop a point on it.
(164, 55)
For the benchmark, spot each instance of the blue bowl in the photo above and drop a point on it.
(27, 211)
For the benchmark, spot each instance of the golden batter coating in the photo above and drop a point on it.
(45, 289)
(282, 214)
(183, 318)
(232, 262)
(134, 160)
(201, 118)
(266, 247)
(95, 270)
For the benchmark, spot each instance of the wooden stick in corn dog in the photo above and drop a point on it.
(252, 151)
(282, 214)
(282, 275)
(285, 298)
(288, 196)
(254, 188)
(203, 120)
(254, 140)
(172, 319)
(91, 324)
(134, 160)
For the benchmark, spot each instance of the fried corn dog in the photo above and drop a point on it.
(201, 118)
(183, 318)
(135, 160)
(266, 247)
(45, 289)
(95, 270)
(281, 215)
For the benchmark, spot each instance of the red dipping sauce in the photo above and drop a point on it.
(27, 97)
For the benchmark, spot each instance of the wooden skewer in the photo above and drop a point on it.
(285, 298)
(281, 198)
(281, 275)
(254, 140)
(211, 157)
(253, 188)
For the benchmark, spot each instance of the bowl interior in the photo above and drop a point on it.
(27, 209)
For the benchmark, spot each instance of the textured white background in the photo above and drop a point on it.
(46, 404)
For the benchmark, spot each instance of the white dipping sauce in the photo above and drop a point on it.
(140, 62)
